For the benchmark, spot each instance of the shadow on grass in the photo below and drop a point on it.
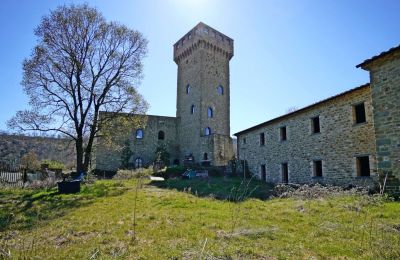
(24, 209)
(221, 188)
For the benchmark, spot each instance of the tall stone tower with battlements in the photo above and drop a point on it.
(203, 95)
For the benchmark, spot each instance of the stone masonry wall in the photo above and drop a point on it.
(385, 84)
(109, 159)
(337, 145)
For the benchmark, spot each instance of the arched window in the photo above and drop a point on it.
(161, 135)
(138, 162)
(192, 108)
(220, 90)
(139, 133)
(205, 156)
(210, 112)
(187, 89)
(207, 131)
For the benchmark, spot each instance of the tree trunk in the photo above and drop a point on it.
(79, 155)
(88, 150)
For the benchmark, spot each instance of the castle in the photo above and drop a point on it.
(350, 138)
(200, 132)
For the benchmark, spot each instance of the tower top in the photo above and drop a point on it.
(203, 35)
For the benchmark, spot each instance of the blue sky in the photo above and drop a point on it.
(287, 52)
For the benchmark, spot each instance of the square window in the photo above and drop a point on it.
(317, 168)
(283, 133)
(315, 126)
(359, 114)
(262, 139)
(363, 169)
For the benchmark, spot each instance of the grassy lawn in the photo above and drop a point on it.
(175, 222)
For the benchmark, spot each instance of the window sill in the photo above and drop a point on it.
(316, 133)
(359, 124)
(317, 177)
(363, 177)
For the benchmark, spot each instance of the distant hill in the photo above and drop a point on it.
(13, 147)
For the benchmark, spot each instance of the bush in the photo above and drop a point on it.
(30, 162)
(171, 172)
(53, 164)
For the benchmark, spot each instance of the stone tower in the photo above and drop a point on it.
(203, 95)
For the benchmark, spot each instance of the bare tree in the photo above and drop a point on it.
(81, 65)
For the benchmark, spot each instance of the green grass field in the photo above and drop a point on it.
(193, 220)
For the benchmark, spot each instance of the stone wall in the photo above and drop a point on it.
(13, 147)
(385, 84)
(338, 144)
(107, 158)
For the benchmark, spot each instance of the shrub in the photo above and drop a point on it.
(53, 164)
(30, 162)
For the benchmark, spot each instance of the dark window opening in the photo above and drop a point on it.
(363, 168)
(220, 90)
(262, 139)
(176, 162)
(139, 134)
(315, 125)
(138, 162)
(359, 113)
(207, 131)
(285, 172)
(192, 108)
(318, 168)
(210, 112)
(263, 173)
(244, 140)
(205, 156)
(161, 135)
(187, 89)
(283, 133)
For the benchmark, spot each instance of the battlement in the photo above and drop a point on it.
(203, 36)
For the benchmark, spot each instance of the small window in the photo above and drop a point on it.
(262, 139)
(210, 112)
(161, 135)
(192, 109)
(285, 172)
(283, 133)
(317, 168)
(315, 125)
(205, 156)
(363, 169)
(244, 140)
(207, 131)
(188, 89)
(263, 173)
(139, 134)
(138, 162)
(220, 90)
(359, 113)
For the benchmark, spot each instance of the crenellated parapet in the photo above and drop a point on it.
(203, 36)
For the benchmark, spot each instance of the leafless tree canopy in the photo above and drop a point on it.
(81, 65)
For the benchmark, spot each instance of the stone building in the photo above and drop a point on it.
(351, 138)
(201, 129)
